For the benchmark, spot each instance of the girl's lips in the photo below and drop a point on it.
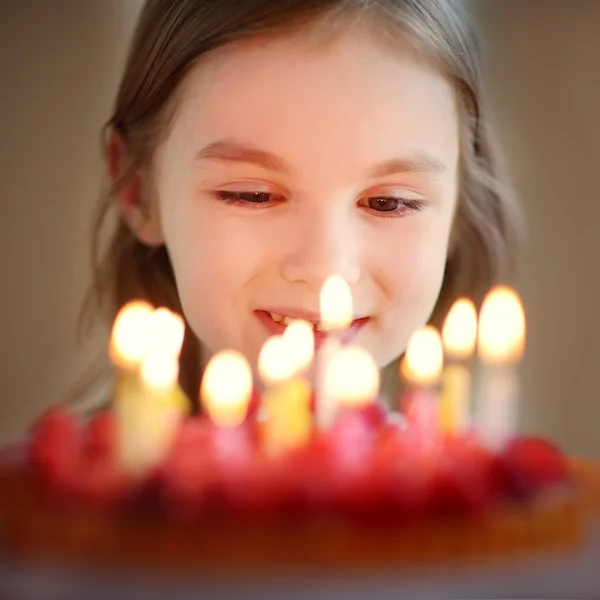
(275, 328)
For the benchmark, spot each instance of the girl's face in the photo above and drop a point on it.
(288, 161)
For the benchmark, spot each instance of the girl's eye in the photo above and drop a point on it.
(391, 206)
(256, 199)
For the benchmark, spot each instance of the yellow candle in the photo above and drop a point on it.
(129, 343)
(148, 416)
(459, 335)
(226, 388)
(336, 310)
(166, 340)
(353, 377)
(500, 347)
(148, 403)
(286, 401)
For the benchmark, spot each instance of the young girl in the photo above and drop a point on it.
(257, 147)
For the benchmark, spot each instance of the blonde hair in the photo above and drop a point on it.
(170, 37)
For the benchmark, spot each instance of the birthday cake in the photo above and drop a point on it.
(257, 485)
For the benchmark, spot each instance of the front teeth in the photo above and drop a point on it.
(285, 321)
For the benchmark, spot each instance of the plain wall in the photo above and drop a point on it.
(59, 66)
(60, 62)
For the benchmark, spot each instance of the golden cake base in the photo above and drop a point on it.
(33, 532)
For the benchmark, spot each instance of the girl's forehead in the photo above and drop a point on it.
(351, 90)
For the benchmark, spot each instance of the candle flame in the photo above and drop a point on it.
(226, 388)
(459, 333)
(276, 363)
(159, 372)
(423, 360)
(502, 327)
(300, 339)
(131, 334)
(353, 377)
(336, 304)
(167, 331)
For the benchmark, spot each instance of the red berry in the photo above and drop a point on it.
(188, 479)
(100, 436)
(258, 487)
(307, 472)
(465, 478)
(56, 448)
(101, 483)
(189, 474)
(531, 464)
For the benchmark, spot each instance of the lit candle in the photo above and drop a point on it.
(336, 316)
(225, 393)
(147, 419)
(226, 388)
(300, 338)
(167, 332)
(423, 359)
(353, 377)
(287, 420)
(129, 343)
(166, 340)
(421, 368)
(148, 405)
(459, 336)
(500, 348)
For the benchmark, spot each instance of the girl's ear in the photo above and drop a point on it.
(136, 206)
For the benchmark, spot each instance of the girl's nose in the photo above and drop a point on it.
(324, 243)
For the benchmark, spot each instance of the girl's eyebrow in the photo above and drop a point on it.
(417, 163)
(234, 151)
(231, 150)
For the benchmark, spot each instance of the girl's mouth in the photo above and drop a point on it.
(276, 321)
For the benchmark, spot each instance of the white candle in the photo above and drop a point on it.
(336, 316)
(459, 336)
(500, 347)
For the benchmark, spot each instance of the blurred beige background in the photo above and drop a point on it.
(59, 65)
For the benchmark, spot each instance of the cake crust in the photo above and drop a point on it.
(32, 530)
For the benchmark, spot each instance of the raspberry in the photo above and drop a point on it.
(100, 436)
(101, 483)
(465, 477)
(404, 476)
(307, 474)
(530, 464)
(258, 487)
(56, 448)
(189, 475)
